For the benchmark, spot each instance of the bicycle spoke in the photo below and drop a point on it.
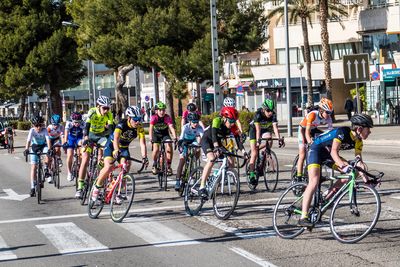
(122, 198)
(193, 202)
(271, 171)
(226, 195)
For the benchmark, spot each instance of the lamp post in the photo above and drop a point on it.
(288, 89)
(374, 56)
(300, 66)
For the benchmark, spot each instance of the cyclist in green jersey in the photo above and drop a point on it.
(99, 124)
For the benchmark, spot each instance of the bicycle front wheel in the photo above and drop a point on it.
(226, 194)
(95, 207)
(287, 212)
(122, 198)
(38, 185)
(271, 172)
(192, 199)
(355, 214)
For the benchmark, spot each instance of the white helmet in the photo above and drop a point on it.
(104, 101)
(133, 112)
(229, 102)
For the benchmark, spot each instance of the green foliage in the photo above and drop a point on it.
(13, 124)
(245, 119)
(363, 95)
(23, 125)
(207, 119)
(178, 125)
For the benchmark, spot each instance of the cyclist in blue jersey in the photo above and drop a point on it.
(56, 132)
(190, 133)
(73, 135)
(326, 147)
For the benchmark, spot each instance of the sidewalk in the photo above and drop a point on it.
(380, 134)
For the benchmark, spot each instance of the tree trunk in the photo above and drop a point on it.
(170, 102)
(23, 106)
(307, 59)
(55, 100)
(180, 108)
(121, 98)
(326, 53)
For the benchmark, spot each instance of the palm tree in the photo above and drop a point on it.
(300, 10)
(180, 92)
(332, 10)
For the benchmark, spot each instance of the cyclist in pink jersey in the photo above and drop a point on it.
(191, 108)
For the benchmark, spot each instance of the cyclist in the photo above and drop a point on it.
(211, 143)
(261, 127)
(56, 132)
(160, 123)
(8, 133)
(98, 124)
(117, 145)
(190, 133)
(230, 102)
(308, 129)
(191, 108)
(73, 137)
(326, 147)
(38, 139)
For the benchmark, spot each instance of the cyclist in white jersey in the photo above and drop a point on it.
(56, 132)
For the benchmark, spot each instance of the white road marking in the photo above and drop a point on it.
(382, 163)
(157, 234)
(70, 239)
(12, 195)
(5, 251)
(251, 257)
(15, 157)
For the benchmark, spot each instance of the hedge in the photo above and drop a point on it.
(24, 125)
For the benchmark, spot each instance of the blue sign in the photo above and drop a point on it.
(375, 76)
(390, 75)
(147, 98)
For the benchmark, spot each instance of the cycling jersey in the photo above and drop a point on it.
(38, 138)
(74, 131)
(160, 124)
(97, 121)
(313, 119)
(127, 133)
(321, 147)
(55, 132)
(264, 122)
(186, 113)
(190, 134)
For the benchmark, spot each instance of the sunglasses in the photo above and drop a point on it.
(136, 119)
(195, 121)
(231, 120)
(76, 121)
(161, 109)
(105, 108)
(37, 125)
(268, 110)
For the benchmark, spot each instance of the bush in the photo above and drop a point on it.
(207, 119)
(24, 125)
(13, 124)
(178, 125)
(245, 119)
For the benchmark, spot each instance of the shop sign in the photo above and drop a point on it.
(390, 75)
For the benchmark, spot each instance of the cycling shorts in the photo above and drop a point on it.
(73, 142)
(207, 145)
(109, 148)
(99, 139)
(301, 135)
(54, 141)
(34, 159)
(158, 138)
(185, 148)
(317, 155)
(252, 133)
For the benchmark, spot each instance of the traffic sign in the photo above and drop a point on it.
(375, 76)
(356, 68)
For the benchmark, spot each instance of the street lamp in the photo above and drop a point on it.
(300, 66)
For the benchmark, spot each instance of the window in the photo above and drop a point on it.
(316, 53)
(295, 56)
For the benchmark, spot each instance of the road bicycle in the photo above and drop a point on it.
(223, 187)
(355, 206)
(162, 165)
(40, 173)
(266, 165)
(9, 140)
(118, 192)
(76, 164)
(54, 167)
(192, 161)
(229, 144)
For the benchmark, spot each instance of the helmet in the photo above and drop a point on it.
(161, 105)
(192, 116)
(191, 107)
(229, 112)
(76, 116)
(133, 112)
(362, 120)
(55, 119)
(326, 104)
(229, 102)
(37, 120)
(268, 104)
(104, 101)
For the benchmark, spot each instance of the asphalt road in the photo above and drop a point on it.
(157, 232)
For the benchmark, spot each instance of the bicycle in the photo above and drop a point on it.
(118, 192)
(54, 167)
(355, 206)
(76, 164)
(39, 173)
(266, 165)
(10, 140)
(223, 185)
(162, 165)
(230, 146)
(191, 162)
(92, 171)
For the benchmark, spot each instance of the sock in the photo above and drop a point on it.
(81, 184)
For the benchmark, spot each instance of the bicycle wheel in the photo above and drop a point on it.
(122, 198)
(95, 207)
(287, 212)
(354, 215)
(75, 172)
(192, 200)
(164, 173)
(226, 194)
(271, 172)
(10, 145)
(293, 172)
(38, 185)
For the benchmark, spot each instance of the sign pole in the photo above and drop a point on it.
(358, 99)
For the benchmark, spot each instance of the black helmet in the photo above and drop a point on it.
(36, 120)
(193, 116)
(362, 120)
(191, 107)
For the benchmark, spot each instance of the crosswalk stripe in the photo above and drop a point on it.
(70, 239)
(156, 233)
(5, 251)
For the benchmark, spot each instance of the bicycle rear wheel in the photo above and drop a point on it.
(122, 198)
(355, 215)
(192, 200)
(287, 212)
(271, 172)
(75, 172)
(95, 207)
(226, 194)
(38, 185)
(165, 174)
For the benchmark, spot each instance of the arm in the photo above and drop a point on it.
(172, 129)
(66, 135)
(202, 124)
(276, 130)
(258, 131)
(117, 134)
(182, 122)
(308, 134)
(239, 125)
(335, 154)
(151, 132)
(143, 147)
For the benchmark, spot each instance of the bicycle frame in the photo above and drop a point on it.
(117, 180)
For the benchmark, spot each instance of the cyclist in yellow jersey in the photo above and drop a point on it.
(118, 145)
(98, 125)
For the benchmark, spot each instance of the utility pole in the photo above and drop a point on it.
(288, 85)
(155, 82)
(214, 47)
